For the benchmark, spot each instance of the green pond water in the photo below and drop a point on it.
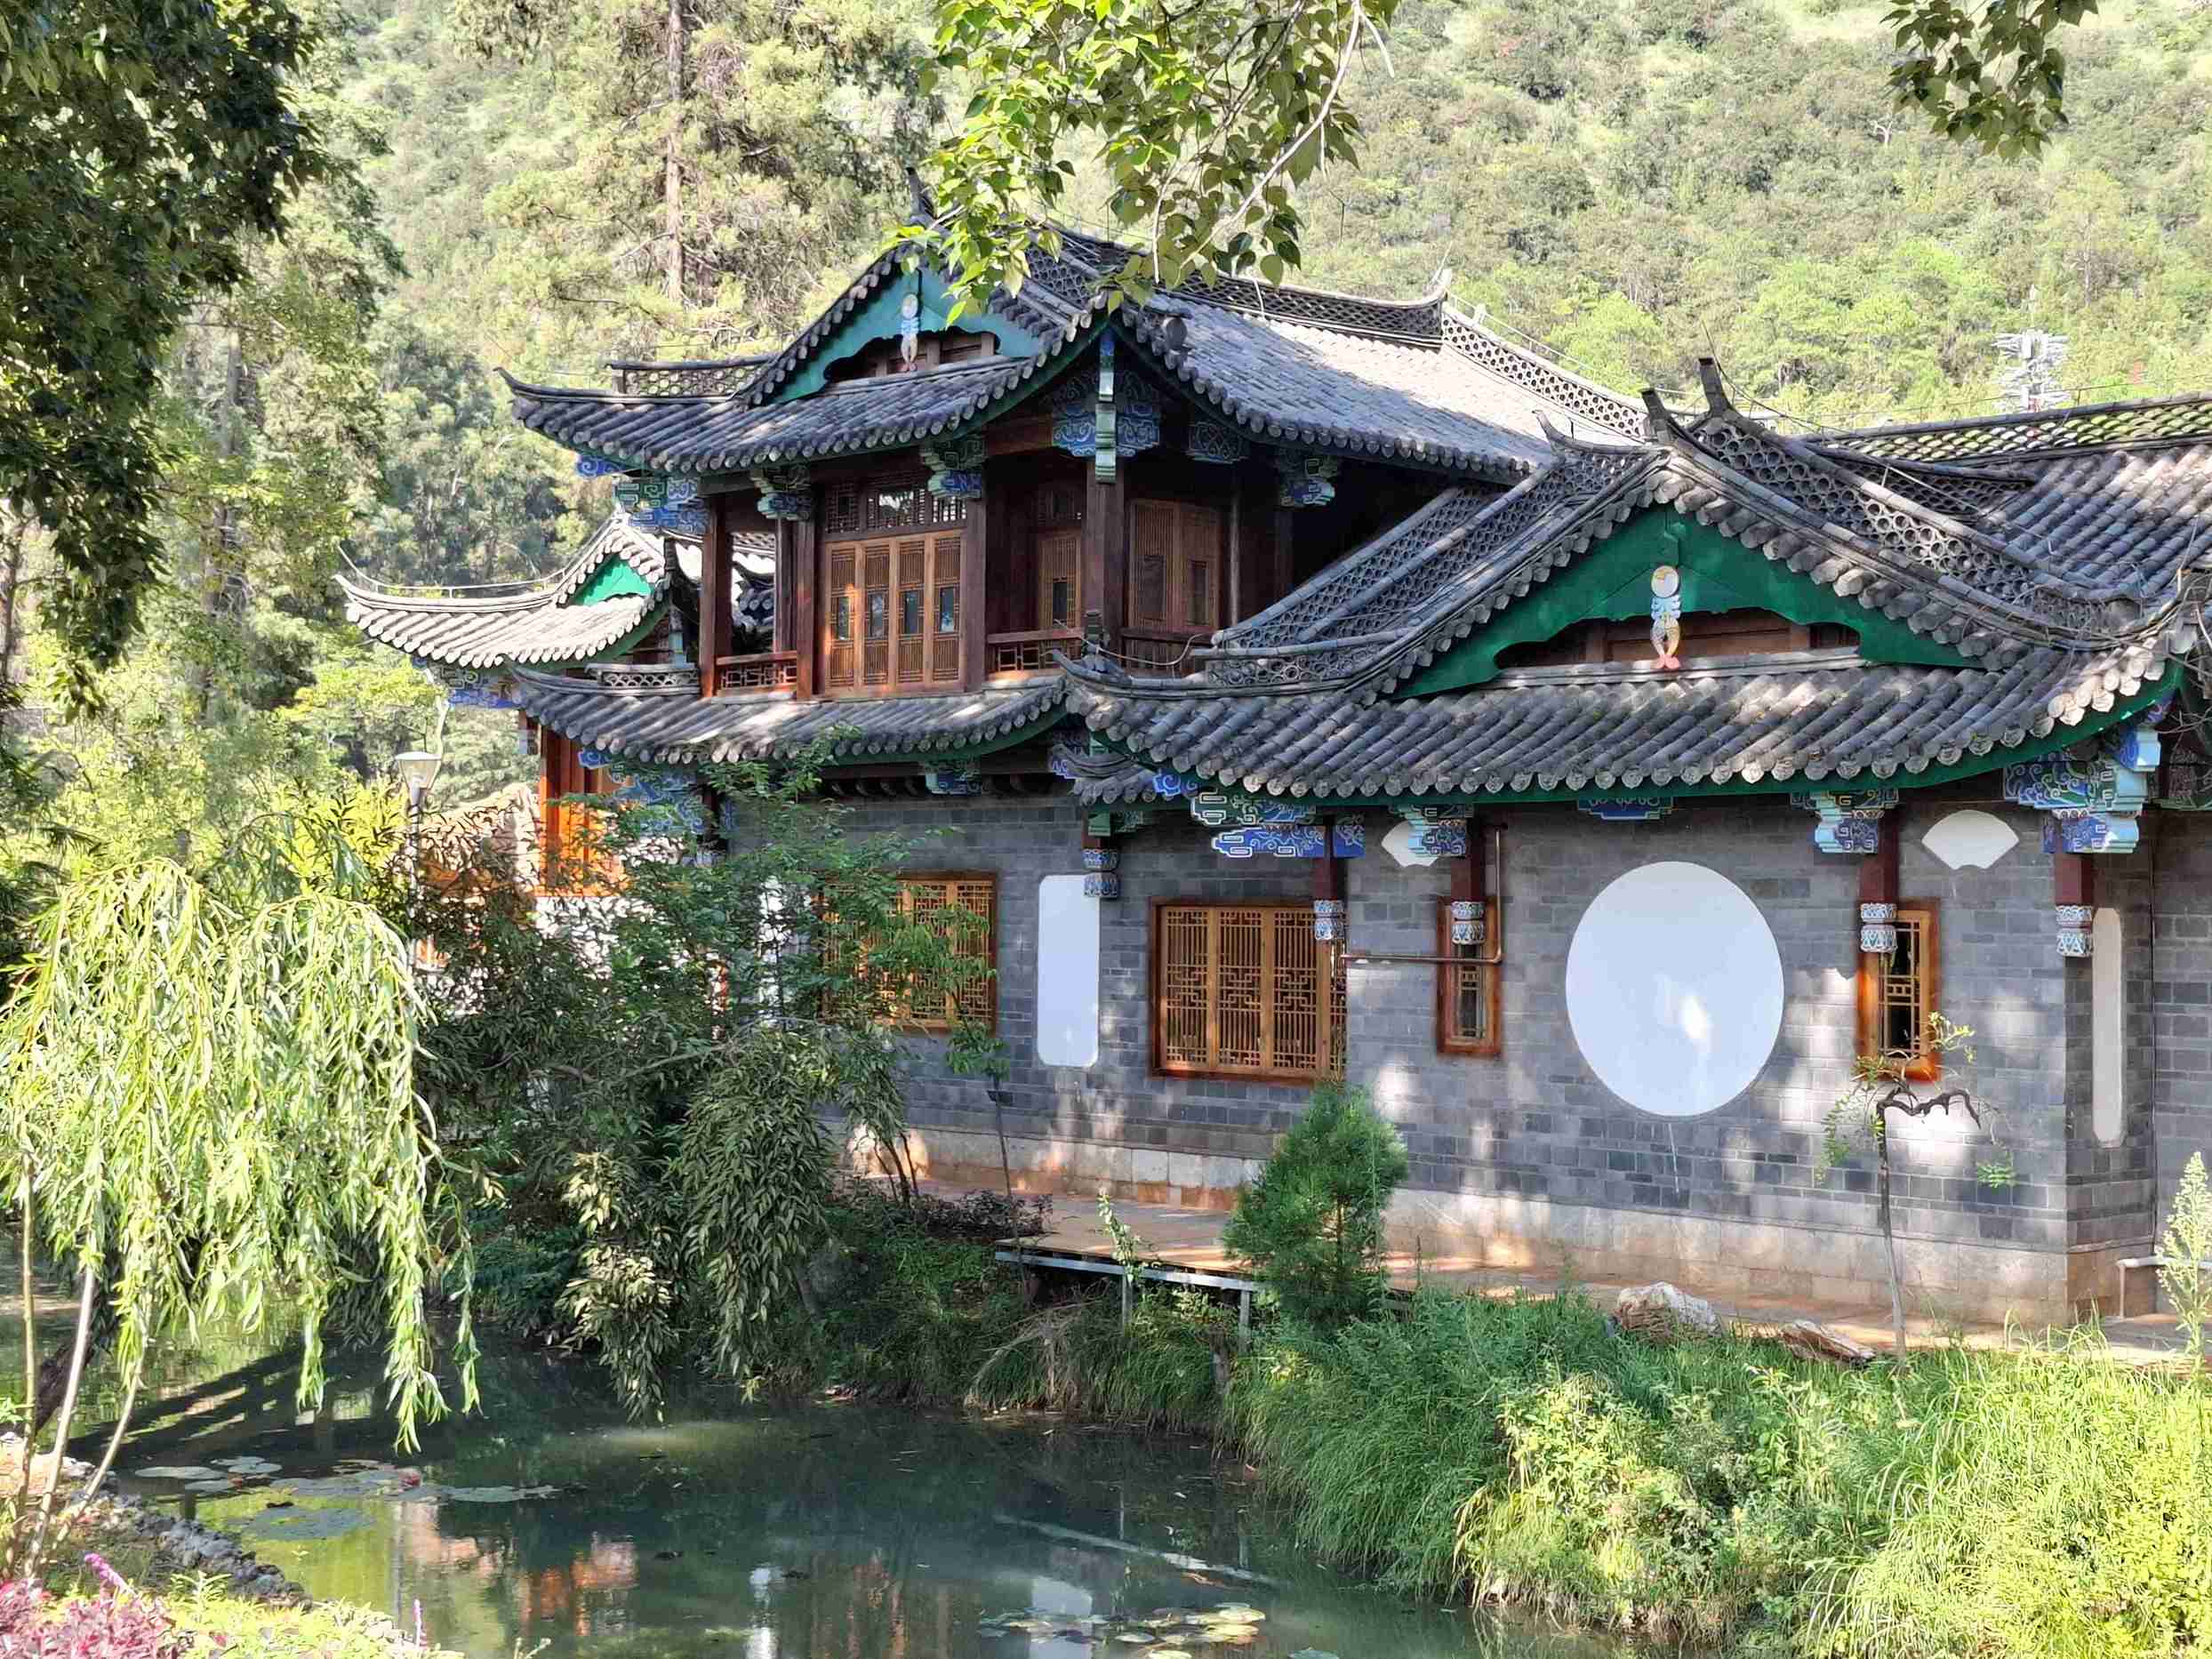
(826, 1531)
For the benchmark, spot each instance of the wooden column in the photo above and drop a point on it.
(974, 561)
(2074, 901)
(1105, 554)
(795, 541)
(1877, 870)
(714, 595)
(1285, 573)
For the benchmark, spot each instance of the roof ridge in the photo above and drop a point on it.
(2127, 422)
(1575, 394)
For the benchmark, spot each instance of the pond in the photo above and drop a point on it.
(549, 1523)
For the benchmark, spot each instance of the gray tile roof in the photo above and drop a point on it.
(1803, 716)
(536, 622)
(1412, 381)
(680, 727)
(2052, 570)
(2075, 548)
(710, 435)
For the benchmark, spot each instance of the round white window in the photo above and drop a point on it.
(1674, 989)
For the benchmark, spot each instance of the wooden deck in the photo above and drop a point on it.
(1191, 1241)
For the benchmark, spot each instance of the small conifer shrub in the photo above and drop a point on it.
(1312, 1226)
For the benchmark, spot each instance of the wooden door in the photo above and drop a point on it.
(891, 613)
(1174, 566)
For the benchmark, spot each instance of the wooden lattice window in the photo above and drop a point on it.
(961, 908)
(1244, 990)
(891, 613)
(1897, 992)
(1468, 998)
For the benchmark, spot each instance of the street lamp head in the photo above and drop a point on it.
(417, 771)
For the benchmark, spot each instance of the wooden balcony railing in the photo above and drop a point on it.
(1030, 650)
(764, 670)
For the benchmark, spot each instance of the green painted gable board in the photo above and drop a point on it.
(880, 319)
(1613, 583)
(614, 579)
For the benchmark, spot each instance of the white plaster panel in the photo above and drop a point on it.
(1970, 837)
(1067, 973)
(1674, 989)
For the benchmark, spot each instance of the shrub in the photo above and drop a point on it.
(106, 1626)
(1312, 1226)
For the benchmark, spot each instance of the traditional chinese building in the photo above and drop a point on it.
(1326, 686)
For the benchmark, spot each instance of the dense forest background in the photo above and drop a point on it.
(1636, 182)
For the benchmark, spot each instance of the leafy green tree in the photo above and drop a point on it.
(148, 149)
(1312, 1226)
(648, 1072)
(212, 1112)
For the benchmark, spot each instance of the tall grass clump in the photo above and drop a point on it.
(1722, 1491)
(2055, 1504)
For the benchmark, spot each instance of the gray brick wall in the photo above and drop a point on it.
(2180, 1001)
(1535, 1124)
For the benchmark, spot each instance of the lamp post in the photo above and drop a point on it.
(418, 770)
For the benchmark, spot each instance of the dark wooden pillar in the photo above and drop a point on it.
(794, 543)
(1105, 554)
(1877, 870)
(2074, 880)
(714, 595)
(1285, 571)
(974, 562)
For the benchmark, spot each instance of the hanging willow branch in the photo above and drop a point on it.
(215, 1106)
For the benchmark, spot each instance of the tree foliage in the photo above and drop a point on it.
(144, 147)
(649, 1072)
(211, 1107)
(1312, 1226)
(1215, 124)
(1206, 117)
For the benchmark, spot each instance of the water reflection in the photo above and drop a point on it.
(829, 1532)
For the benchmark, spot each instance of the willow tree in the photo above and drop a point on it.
(211, 1115)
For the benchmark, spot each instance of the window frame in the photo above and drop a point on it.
(907, 1019)
(1448, 1041)
(1156, 992)
(1926, 914)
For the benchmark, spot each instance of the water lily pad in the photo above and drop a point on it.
(220, 1484)
(290, 1526)
(180, 1472)
(248, 1465)
(485, 1494)
(1237, 1613)
(1133, 1636)
(1168, 1653)
(1313, 1653)
(367, 1483)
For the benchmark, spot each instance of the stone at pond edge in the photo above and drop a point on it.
(1659, 1313)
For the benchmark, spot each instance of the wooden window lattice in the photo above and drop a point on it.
(1174, 550)
(1898, 993)
(1468, 998)
(1245, 991)
(892, 620)
(940, 902)
(865, 506)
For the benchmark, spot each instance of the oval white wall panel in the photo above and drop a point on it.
(1969, 836)
(1674, 989)
(1067, 973)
